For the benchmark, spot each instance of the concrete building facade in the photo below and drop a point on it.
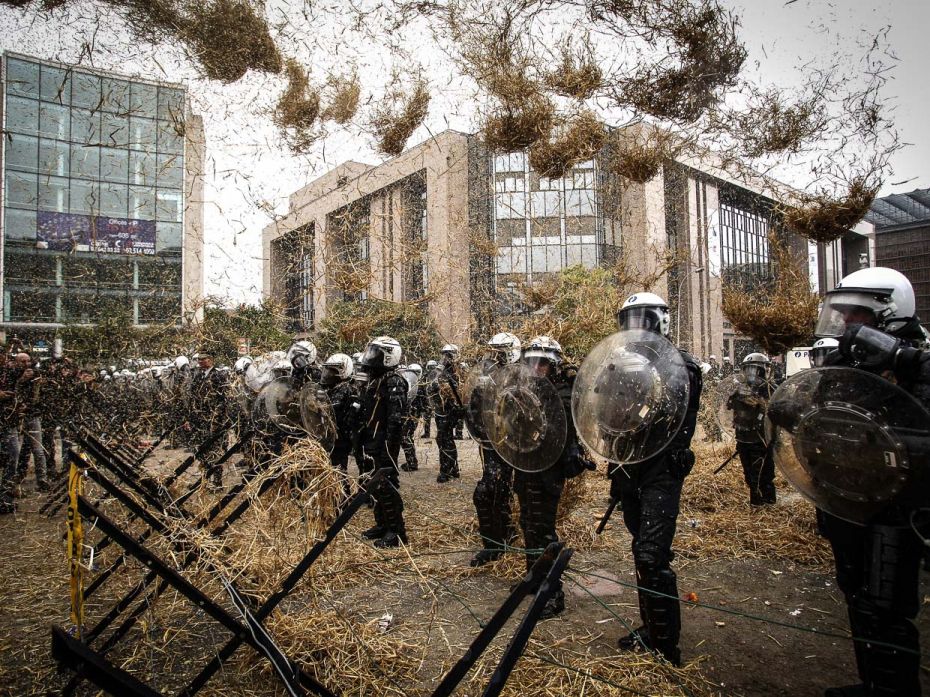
(102, 198)
(462, 230)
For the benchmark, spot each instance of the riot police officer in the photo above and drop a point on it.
(383, 411)
(650, 496)
(336, 381)
(538, 493)
(821, 350)
(872, 314)
(447, 404)
(493, 492)
(430, 376)
(416, 408)
(748, 403)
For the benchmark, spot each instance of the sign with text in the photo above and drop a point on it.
(73, 232)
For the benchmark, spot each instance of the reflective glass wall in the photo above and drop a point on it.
(94, 201)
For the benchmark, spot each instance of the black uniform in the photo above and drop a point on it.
(447, 404)
(877, 569)
(208, 415)
(383, 412)
(539, 493)
(748, 404)
(416, 408)
(344, 398)
(650, 496)
(494, 490)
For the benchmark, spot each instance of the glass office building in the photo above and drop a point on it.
(94, 195)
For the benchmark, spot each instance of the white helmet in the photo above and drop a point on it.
(337, 367)
(181, 362)
(543, 348)
(431, 364)
(879, 297)
(451, 349)
(508, 344)
(820, 350)
(302, 348)
(382, 352)
(243, 364)
(644, 311)
(755, 367)
(357, 357)
(705, 368)
(416, 368)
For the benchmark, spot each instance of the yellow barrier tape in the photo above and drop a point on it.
(76, 548)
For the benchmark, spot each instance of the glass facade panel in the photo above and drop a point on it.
(114, 200)
(85, 90)
(53, 194)
(168, 206)
(167, 237)
(115, 94)
(170, 104)
(19, 224)
(85, 161)
(743, 237)
(22, 190)
(22, 115)
(85, 126)
(55, 85)
(142, 134)
(54, 121)
(114, 164)
(54, 157)
(22, 78)
(142, 168)
(169, 140)
(114, 130)
(22, 153)
(142, 203)
(170, 171)
(143, 100)
(85, 197)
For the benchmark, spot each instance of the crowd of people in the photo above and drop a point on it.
(371, 404)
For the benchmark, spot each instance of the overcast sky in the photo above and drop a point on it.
(250, 172)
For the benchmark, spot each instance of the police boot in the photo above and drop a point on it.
(485, 556)
(392, 507)
(380, 528)
(663, 614)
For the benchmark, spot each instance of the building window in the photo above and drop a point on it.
(743, 238)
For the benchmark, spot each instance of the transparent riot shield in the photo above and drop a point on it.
(412, 383)
(478, 408)
(316, 415)
(262, 370)
(740, 408)
(277, 407)
(525, 419)
(852, 443)
(630, 396)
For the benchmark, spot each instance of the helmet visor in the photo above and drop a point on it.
(373, 357)
(647, 318)
(819, 356)
(839, 311)
(754, 374)
(329, 375)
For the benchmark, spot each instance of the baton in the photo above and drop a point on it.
(726, 462)
(610, 511)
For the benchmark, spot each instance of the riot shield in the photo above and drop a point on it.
(316, 415)
(630, 396)
(412, 382)
(850, 442)
(474, 390)
(737, 405)
(525, 420)
(262, 370)
(277, 406)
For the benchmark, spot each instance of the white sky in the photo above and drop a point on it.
(250, 173)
